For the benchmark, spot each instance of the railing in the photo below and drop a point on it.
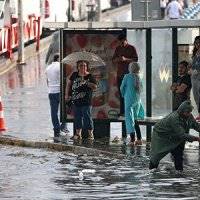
(9, 34)
(4, 35)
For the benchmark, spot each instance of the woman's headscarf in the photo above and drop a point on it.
(134, 68)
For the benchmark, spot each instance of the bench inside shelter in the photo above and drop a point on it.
(102, 127)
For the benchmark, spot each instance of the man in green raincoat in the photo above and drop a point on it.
(171, 133)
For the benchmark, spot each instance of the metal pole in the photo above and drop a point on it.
(132, 8)
(146, 11)
(148, 81)
(174, 55)
(38, 35)
(99, 10)
(63, 114)
(146, 14)
(20, 34)
(42, 11)
(69, 10)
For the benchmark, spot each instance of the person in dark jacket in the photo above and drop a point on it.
(124, 54)
(182, 86)
(171, 133)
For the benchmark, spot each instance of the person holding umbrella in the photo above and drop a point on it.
(80, 88)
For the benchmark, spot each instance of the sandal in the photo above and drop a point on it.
(116, 139)
(138, 142)
(76, 137)
(90, 136)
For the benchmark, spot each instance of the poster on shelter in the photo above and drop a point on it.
(105, 99)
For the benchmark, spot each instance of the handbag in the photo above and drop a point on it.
(68, 106)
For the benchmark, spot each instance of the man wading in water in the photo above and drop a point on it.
(171, 133)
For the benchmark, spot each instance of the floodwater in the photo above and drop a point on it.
(47, 175)
(25, 100)
(31, 174)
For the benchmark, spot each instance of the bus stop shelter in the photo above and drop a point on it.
(160, 45)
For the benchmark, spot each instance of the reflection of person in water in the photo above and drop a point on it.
(124, 54)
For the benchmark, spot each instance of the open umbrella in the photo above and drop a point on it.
(92, 58)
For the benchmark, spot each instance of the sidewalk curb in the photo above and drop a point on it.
(58, 147)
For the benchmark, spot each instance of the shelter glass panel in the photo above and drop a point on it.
(161, 71)
(186, 38)
(137, 38)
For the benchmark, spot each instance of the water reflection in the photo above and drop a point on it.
(28, 75)
(40, 174)
(25, 100)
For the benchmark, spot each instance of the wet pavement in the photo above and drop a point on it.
(28, 173)
(25, 100)
(49, 175)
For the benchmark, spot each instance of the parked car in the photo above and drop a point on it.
(116, 3)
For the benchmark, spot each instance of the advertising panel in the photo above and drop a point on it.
(103, 43)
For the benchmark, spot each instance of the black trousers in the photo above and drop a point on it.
(138, 132)
(177, 155)
(121, 99)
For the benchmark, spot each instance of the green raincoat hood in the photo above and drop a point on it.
(185, 107)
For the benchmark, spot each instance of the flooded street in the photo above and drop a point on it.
(46, 175)
(40, 174)
(25, 100)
